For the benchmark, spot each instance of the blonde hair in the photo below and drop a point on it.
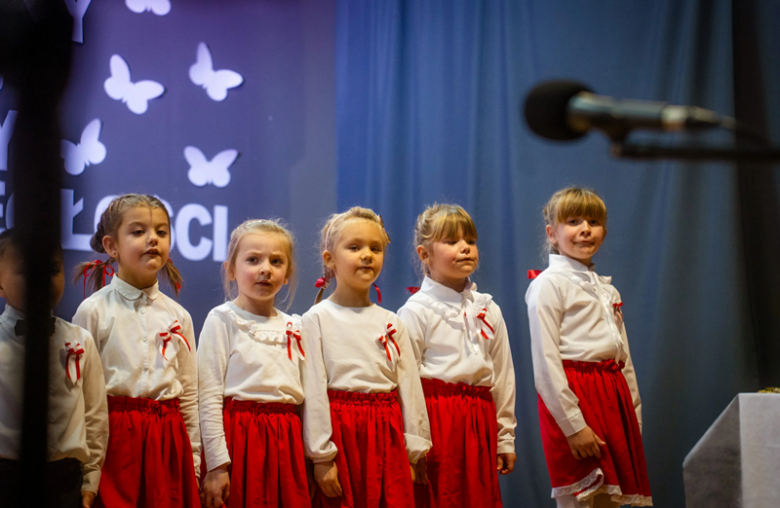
(331, 232)
(441, 221)
(572, 202)
(268, 226)
(109, 224)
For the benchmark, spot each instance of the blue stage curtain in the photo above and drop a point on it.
(428, 101)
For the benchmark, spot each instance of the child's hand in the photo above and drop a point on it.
(326, 474)
(506, 463)
(87, 498)
(420, 472)
(216, 487)
(585, 443)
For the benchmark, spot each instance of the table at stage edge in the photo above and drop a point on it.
(736, 464)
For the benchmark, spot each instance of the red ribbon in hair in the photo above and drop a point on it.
(91, 266)
(532, 274)
(74, 349)
(167, 335)
(388, 337)
(413, 289)
(322, 282)
(294, 334)
(378, 293)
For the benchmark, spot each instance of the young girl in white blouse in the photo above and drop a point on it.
(250, 357)
(460, 342)
(589, 407)
(147, 348)
(364, 420)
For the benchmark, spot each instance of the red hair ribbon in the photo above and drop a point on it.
(532, 274)
(91, 266)
(485, 329)
(293, 333)
(167, 335)
(378, 293)
(322, 282)
(413, 289)
(388, 337)
(75, 351)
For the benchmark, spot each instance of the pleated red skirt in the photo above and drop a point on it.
(372, 462)
(462, 463)
(266, 452)
(606, 405)
(149, 457)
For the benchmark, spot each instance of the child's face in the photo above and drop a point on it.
(142, 245)
(13, 283)
(578, 237)
(451, 259)
(260, 271)
(358, 255)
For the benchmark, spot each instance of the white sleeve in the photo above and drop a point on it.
(187, 373)
(213, 355)
(95, 414)
(503, 389)
(317, 427)
(545, 315)
(417, 429)
(415, 326)
(88, 317)
(630, 375)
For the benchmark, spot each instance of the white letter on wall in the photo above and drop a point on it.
(187, 214)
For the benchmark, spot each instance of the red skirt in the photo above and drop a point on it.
(462, 463)
(149, 457)
(266, 453)
(606, 405)
(372, 462)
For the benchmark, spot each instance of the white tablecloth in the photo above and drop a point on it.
(736, 464)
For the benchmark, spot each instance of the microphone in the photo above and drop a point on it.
(566, 110)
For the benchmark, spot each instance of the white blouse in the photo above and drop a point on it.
(247, 357)
(357, 349)
(446, 330)
(574, 314)
(147, 347)
(78, 411)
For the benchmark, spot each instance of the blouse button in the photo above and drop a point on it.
(143, 311)
(146, 369)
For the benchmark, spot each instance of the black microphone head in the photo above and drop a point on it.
(546, 109)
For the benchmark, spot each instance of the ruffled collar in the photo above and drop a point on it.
(447, 295)
(273, 323)
(131, 292)
(575, 270)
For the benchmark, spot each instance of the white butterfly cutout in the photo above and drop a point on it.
(159, 7)
(135, 95)
(216, 83)
(89, 151)
(202, 171)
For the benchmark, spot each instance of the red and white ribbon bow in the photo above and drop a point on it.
(618, 313)
(167, 336)
(393, 353)
(294, 333)
(73, 360)
(485, 330)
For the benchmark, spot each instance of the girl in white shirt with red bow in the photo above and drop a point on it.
(250, 357)
(364, 420)
(589, 406)
(147, 348)
(461, 346)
